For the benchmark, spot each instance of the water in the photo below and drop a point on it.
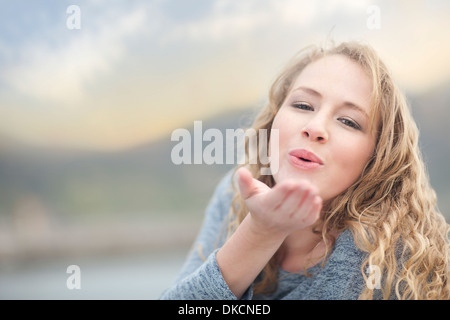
(133, 276)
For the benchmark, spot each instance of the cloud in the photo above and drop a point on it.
(164, 63)
(229, 19)
(59, 72)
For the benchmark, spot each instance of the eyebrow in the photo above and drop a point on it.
(345, 103)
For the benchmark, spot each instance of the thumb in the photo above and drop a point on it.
(247, 185)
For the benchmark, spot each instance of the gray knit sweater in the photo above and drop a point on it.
(200, 276)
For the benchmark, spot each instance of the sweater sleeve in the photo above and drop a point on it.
(200, 276)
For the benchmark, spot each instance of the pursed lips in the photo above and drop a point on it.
(304, 159)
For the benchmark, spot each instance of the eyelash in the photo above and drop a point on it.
(300, 105)
(350, 123)
(346, 122)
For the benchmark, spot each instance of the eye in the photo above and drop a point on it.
(303, 106)
(350, 123)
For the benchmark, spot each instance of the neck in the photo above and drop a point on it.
(301, 241)
(302, 248)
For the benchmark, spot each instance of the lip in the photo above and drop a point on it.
(304, 159)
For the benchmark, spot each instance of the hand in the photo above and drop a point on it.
(290, 205)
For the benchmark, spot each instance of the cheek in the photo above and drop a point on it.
(285, 126)
(353, 157)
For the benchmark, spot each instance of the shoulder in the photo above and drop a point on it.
(341, 277)
(346, 258)
(346, 249)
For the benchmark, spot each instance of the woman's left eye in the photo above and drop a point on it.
(350, 123)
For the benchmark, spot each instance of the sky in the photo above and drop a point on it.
(117, 74)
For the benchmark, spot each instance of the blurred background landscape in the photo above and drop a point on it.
(86, 117)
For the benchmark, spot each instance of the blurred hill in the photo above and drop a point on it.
(139, 181)
(62, 202)
(43, 188)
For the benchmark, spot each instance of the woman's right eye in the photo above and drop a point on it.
(303, 106)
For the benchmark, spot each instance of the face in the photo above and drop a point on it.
(324, 126)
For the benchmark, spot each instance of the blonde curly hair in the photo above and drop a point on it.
(391, 209)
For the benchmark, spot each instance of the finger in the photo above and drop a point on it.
(283, 191)
(314, 212)
(293, 200)
(307, 197)
(279, 194)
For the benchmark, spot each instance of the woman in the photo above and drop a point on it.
(347, 212)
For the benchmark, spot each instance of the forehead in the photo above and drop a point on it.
(338, 78)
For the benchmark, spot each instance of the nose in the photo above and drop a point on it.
(315, 130)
